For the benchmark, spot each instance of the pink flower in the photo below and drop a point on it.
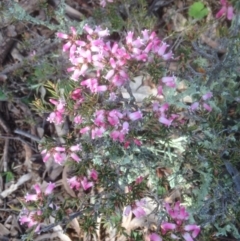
(139, 180)
(137, 142)
(28, 218)
(58, 148)
(135, 115)
(85, 184)
(226, 9)
(109, 74)
(165, 121)
(125, 127)
(76, 94)
(139, 212)
(207, 96)
(75, 157)
(127, 210)
(168, 226)
(85, 130)
(114, 116)
(187, 237)
(162, 49)
(59, 157)
(169, 81)
(46, 156)
(129, 37)
(31, 197)
(76, 148)
(154, 237)
(194, 106)
(98, 132)
(168, 55)
(160, 90)
(50, 188)
(88, 29)
(207, 107)
(115, 135)
(164, 108)
(74, 183)
(193, 227)
(104, 2)
(37, 189)
(112, 96)
(94, 174)
(178, 213)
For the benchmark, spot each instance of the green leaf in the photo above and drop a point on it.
(9, 176)
(3, 97)
(197, 10)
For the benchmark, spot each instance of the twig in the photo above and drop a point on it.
(5, 155)
(23, 133)
(4, 125)
(6, 145)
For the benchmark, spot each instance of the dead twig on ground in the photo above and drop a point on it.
(28, 135)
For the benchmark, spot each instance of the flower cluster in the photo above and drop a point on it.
(202, 102)
(137, 208)
(34, 218)
(61, 154)
(179, 216)
(76, 182)
(102, 66)
(31, 218)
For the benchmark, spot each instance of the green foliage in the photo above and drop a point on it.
(197, 10)
(9, 176)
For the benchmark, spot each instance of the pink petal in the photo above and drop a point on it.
(138, 212)
(207, 96)
(194, 227)
(135, 115)
(62, 35)
(127, 210)
(50, 188)
(194, 106)
(168, 226)
(230, 13)
(75, 157)
(207, 107)
(155, 237)
(223, 2)
(221, 12)
(31, 197)
(165, 121)
(187, 237)
(37, 188)
(85, 184)
(94, 175)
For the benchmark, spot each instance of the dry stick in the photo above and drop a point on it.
(6, 145)
(23, 133)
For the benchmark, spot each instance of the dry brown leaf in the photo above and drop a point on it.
(14, 187)
(141, 89)
(4, 230)
(161, 172)
(53, 169)
(75, 225)
(59, 231)
(174, 196)
(28, 157)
